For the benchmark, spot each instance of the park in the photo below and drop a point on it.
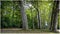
(30, 16)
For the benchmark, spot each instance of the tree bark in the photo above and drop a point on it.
(23, 14)
(38, 15)
(53, 25)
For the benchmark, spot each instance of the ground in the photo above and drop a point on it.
(18, 30)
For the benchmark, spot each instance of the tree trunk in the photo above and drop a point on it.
(0, 14)
(53, 25)
(38, 16)
(23, 14)
(38, 13)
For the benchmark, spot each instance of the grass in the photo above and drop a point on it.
(15, 30)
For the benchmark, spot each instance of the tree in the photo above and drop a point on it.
(23, 14)
(55, 11)
(35, 4)
(38, 16)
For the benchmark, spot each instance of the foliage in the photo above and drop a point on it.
(11, 16)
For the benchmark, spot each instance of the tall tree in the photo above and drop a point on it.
(38, 16)
(23, 14)
(35, 4)
(55, 11)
